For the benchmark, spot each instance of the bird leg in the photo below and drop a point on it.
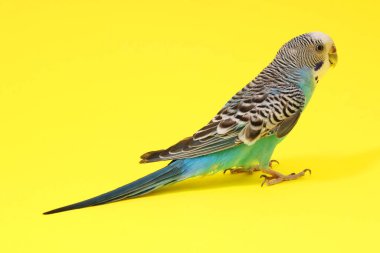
(276, 177)
(242, 170)
(249, 171)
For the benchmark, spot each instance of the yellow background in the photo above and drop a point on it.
(86, 87)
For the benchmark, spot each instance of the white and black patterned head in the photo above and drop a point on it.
(315, 50)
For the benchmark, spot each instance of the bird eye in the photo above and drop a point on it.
(319, 47)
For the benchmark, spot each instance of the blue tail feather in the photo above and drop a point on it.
(167, 175)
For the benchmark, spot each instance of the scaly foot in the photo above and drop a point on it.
(242, 170)
(276, 177)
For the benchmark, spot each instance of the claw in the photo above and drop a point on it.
(265, 179)
(273, 161)
(224, 172)
(307, 170)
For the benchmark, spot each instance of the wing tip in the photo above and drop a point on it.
(151, 156)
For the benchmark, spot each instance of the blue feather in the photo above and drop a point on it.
(172, 173)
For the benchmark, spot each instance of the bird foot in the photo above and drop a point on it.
(276, 177)
(241, 170)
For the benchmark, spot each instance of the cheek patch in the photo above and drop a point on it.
(318, 65)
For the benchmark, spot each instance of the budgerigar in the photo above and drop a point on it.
(242, 136)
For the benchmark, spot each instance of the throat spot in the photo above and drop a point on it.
(318, 65)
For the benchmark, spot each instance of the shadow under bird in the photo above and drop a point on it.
(243, 135)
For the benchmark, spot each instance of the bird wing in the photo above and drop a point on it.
(254, 112)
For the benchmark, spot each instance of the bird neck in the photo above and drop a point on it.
(307, 83)
(283, 72)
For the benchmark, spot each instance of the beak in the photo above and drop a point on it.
(333, 56)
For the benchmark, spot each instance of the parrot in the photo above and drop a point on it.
(242, 136)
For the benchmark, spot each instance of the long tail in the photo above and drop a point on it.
(167, 175)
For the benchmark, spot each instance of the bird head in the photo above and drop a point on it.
(315, 51)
